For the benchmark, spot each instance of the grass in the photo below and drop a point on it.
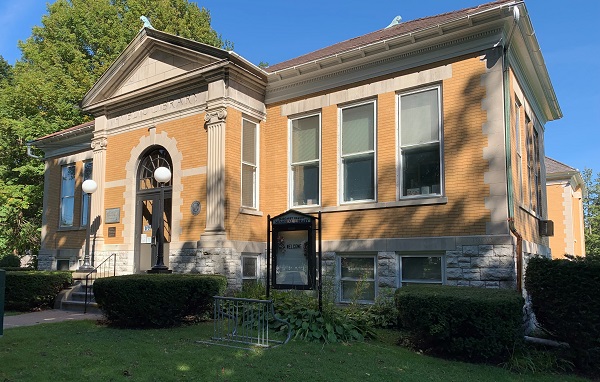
(11, 313)
(87, 351)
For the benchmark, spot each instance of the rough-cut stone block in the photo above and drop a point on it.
(471, 250)
(454, 274)
(464, 262)
(387, 282)
(452, 282)
(471, 274)
(477, 284)
(451, 261)
(492, 284)
(496, 274)
(485, 250)
(503, 250)
(481, 262)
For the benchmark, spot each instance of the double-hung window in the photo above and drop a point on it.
(249, 164)
(358, 126)
(519, 150)
(420, 124)
(67, 195)
(305, 133)
(85, 198)
(421, 269)
(357, 277)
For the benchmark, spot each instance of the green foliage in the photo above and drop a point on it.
(333, 324)
(564, 297)
(591, 213)
(530, 360)
(473, 324)
(10, 260)
(61, 60)
(160, 300)
(31, 290)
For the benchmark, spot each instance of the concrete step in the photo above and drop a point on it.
(79, 306)
(80, 296)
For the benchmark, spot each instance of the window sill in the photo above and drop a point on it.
(249, 211)
(375, 205)
(66, 229)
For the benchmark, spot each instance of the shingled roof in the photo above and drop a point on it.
(553, 167)
(383, 34)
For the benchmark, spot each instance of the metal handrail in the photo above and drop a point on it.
(102, 270)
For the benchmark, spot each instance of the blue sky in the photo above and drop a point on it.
(276, 30)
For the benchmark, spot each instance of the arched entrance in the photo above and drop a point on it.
(148, 208)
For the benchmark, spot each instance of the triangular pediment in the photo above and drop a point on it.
(153, 59)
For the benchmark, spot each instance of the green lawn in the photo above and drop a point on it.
(86, 351)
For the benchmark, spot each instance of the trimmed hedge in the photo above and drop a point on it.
(31, 290)
(565, 297)
(156, 300)
(474, 324)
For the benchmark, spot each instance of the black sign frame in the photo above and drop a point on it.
(290, 221)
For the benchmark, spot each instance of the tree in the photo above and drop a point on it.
(591, 213)
(61, 60)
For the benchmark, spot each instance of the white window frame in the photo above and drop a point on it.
(291, 163)
(518, 108)
(340, 279)
(442, 256)
(440, 142)
(341, 156)
(255, 166)
(85, 197)
(256, 257)
(64, 197)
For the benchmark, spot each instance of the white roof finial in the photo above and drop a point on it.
(395, 21)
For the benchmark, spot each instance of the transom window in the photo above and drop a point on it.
(249, 164)
(157, 157)
(358, 152)
(305, 160)
(420, 133)
(357, 277)
(422, 269)
(67, 195)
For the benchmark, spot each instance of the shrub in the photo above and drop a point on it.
(472, 324)
(10, 260)
(332, 324)
(31, 290)
(564, 298)
(160, 300)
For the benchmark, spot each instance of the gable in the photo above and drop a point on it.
(153, 60)
(158, 66)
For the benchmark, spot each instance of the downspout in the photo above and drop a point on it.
(509, 184)
(31, 154)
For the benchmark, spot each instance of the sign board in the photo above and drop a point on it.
(112, 215)
(294, 252)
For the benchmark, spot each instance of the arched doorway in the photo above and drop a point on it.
(148, 208)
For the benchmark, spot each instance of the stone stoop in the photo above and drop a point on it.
(73, 299)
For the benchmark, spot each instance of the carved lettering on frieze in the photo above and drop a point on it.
(154, 111)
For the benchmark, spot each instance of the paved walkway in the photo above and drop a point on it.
(46, 316)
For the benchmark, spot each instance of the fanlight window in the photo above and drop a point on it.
(154, 159)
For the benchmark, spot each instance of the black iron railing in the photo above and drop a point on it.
(106, 268)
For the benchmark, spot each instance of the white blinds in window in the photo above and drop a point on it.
(305, 139)
(419, 118)
(357, 129)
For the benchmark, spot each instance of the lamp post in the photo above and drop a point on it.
(162, 175)
(89, 187)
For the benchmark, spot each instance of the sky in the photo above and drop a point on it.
(276, 30)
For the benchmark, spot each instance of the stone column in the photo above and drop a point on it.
(214, 234)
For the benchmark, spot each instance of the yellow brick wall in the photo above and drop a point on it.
(464, 166)
(525, 223)
(556, 213)
(71, 237)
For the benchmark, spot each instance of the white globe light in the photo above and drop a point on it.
(162, 174)
(89, 186)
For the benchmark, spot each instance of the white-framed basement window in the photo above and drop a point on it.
(420, 142)
(249, 164)
(358, 145)
(67, 195)
(305, 161)
(429, 268)
(357, 274)
(250, 268)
